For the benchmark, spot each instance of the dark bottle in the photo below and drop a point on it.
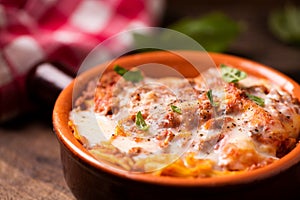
(37, 93)
(46, 80)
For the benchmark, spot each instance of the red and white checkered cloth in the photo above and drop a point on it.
(32, 31)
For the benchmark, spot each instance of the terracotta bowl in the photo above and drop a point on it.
(88, 178)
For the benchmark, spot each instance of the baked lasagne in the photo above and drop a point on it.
(186, 127)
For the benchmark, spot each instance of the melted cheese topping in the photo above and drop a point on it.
(199, 139)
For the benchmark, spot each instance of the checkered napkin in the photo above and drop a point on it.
(32, 31)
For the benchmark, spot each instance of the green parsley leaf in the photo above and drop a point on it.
(210, 97)
(140, 122)
(133, 76)
(232, 75)
(259, 101)
(175, 109)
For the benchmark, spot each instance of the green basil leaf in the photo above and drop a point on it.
(176, 109)
(232, 75)
(140, 122)
(259, 101)
(215, 31)
(133, 75)
(210, 97)
(285, 24)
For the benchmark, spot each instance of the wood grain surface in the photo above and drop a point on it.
(30, 166)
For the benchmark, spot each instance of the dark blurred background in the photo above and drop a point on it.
(256, 42)
(244, 25)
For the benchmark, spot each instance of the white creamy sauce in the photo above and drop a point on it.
(96, 127)
(87, 126)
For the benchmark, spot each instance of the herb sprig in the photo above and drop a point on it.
(176, 109)
(215, 31)
(134, 76)
(210, 97)
(140, 122)
(284, 23)
(232, 75)
(259, 101)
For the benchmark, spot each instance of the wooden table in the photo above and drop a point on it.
(30, 166)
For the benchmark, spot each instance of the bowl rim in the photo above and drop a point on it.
(63, 133)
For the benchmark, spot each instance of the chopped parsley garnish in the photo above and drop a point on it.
(120, 70)
(175, 109)
(232, 75)
(259, 101)
(210, 97)
(133, 75)
(140, 122)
